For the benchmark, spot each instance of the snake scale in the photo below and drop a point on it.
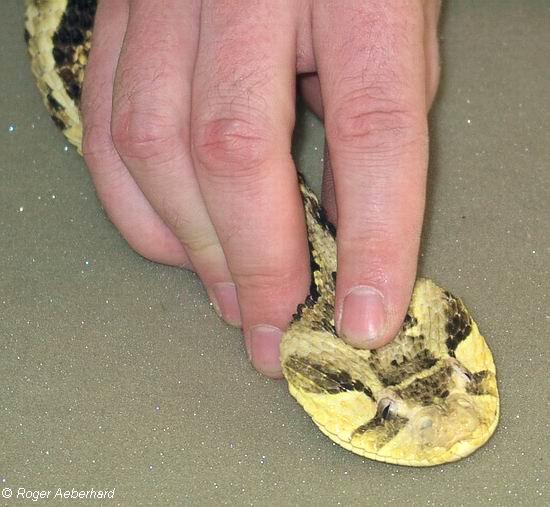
(428, 397)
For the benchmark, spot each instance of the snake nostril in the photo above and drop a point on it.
(425, 424)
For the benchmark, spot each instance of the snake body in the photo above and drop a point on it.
(428, 397)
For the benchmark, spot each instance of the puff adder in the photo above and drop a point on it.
(428, 397)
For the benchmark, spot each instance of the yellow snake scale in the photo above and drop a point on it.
(428, 397)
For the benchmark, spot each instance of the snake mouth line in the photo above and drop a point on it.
(388, 458)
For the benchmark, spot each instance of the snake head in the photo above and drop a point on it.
(440, 417)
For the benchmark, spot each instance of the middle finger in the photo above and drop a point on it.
(242, 121)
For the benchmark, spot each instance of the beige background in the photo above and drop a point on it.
(115, 372)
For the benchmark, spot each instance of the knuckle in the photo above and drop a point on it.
(147, 135)
(174, 216)
(198, 240)
(201, 243)
(374, 272)
(97, 146)
(383, 248)
(277, 278)
(232, 145)
(370, 231)
(365, 121)
(372, 240)
(155, 246)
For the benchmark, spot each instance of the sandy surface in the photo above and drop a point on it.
(116, 373)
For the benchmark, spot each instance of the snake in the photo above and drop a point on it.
(426, 398)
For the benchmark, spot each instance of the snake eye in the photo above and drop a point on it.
(386, 409)
(465, 374)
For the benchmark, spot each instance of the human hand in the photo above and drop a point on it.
(188, 112)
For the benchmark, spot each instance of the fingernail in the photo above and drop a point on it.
(262, 346)
(363, 316)
(225, 301)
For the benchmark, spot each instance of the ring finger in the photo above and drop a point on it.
(150, 128)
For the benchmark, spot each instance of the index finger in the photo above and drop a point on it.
(371, 68)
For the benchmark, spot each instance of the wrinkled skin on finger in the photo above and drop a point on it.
(188, 113)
